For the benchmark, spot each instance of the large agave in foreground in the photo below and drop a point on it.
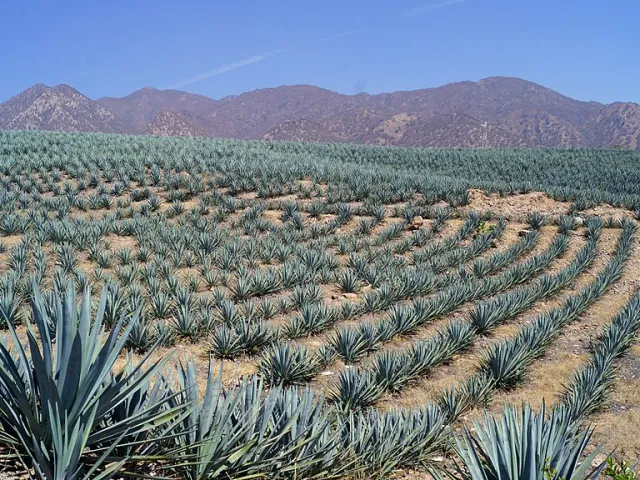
(523, 445)
(244, 432)
(60, 406)
(383, 442)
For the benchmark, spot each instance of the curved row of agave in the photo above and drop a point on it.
(555, 442)
(289, 363)
(587, 391)
(489, 313)
(352, 342)
(227, 341)
(505, 364)
(392, 370)
(505, 361)
(142, 418)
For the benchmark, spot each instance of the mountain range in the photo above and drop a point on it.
(493, 112)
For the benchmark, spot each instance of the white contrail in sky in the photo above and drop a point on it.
(230, 66)
(339, 35)
(414, 12)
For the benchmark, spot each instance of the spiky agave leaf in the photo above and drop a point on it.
(245, 433)
(383, 442)
(506, 362)
(225, 343)
(523, 445)
(288, 364)
(356, 389)
(58, 407)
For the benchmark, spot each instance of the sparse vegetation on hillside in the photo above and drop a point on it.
(492, 112)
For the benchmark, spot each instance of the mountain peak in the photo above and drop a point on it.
(494, 111)
(37, 86)
(66, 89)
(146, 91)
(62, 107)
(505, 79)
(35, 89)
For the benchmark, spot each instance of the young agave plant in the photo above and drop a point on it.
(356, 389)
(186, 323)
(254, 336)
(523, 445)
(287, 364)
(59, 406)
(10, 301)
(114, 304)
(164, 332)
(348, 281)
(225, 343)
(506, 363)
(566, 223)
(475, 391)
(141, 337)
(536, 220)
(349, 344)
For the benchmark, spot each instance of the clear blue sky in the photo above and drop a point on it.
(586, 49)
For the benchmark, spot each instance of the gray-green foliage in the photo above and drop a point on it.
(179, 204)
(59, 405)
(524, 445)
(233, 433)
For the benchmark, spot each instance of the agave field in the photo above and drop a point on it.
(200, 308)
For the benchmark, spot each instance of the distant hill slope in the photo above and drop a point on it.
(492, 112)
(58, 108)
(142, 107)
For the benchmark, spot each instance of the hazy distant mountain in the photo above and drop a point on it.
(172, 123)
(57, 108)
(142, 107)
(496, 111)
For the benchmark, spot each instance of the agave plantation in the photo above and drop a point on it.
(199, 308)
